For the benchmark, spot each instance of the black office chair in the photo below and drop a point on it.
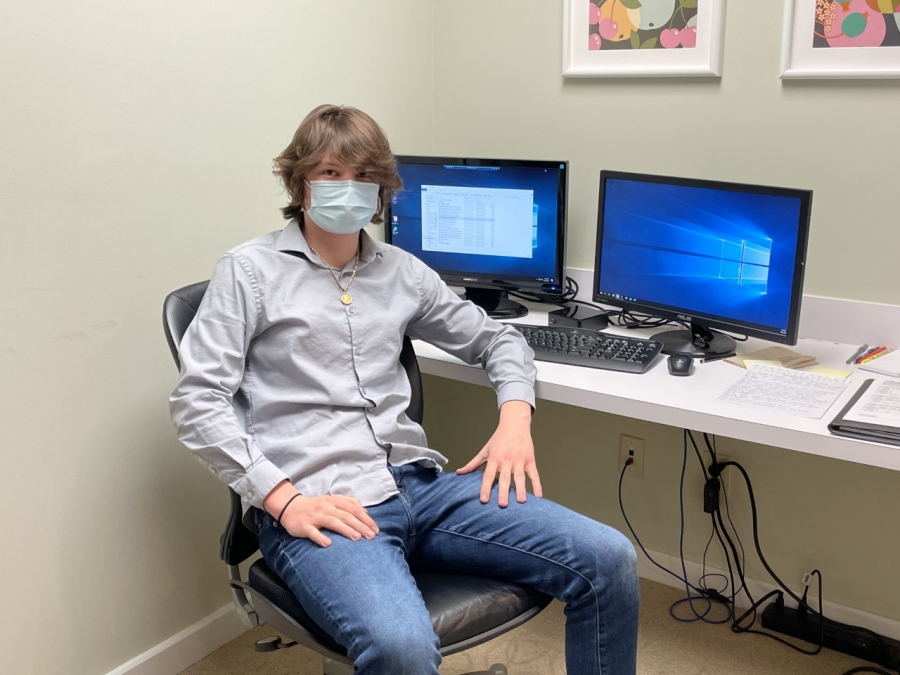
(465, 611)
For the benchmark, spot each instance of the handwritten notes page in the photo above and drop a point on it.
(790, 391)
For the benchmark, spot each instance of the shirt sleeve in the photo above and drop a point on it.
(213, 352)
(466, 331)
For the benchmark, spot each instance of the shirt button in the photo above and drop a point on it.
(357, 351)
(363, 390)
(250, 494)
(353, 310)
(371, 410)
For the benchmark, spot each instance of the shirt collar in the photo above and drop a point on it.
(291, 240)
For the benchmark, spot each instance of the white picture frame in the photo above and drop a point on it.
(702, 60)
(801, 60)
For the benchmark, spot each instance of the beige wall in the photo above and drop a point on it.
(137, 144)
(137, 141)
(499, 93)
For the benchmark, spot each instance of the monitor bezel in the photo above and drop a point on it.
(711, 320)
(509, 282)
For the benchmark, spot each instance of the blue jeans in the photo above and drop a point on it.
(363, 595)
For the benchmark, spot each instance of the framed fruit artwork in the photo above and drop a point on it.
(643, 38)
(841, 39)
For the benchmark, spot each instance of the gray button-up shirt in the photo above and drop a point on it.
(279, 380)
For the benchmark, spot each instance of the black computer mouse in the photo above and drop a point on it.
(681, 364)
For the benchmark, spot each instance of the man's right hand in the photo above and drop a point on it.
(307, 516)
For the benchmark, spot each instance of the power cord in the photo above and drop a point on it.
(622, 318)
(701, 594)
(737, 626)
(689, 599)
(715, 471)
(564, 299)
(630, 319)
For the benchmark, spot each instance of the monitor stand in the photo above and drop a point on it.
(699, 341)
(496, 303)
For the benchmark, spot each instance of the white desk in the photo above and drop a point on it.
(689, 402)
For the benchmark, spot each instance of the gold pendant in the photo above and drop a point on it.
(346, 299)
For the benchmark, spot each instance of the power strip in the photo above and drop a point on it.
(788, 621)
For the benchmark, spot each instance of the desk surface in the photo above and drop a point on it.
(689, 402)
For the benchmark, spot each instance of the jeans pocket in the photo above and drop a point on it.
(255, 519)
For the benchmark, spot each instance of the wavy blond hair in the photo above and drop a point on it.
(346, 134)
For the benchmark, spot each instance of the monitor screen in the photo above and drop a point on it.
(488, 225)
(705, 253)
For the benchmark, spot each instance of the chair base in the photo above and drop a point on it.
(330, 667)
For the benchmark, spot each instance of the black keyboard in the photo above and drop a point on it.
(583, 347)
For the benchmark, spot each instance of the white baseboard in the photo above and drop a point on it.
(647, 570)
(186, 647)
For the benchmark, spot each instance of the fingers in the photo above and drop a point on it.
(535, 480)
(477, 461)
(351, 515)
(519, 475)
(503, 497)
(516, 474)
(355, 508)
(315, 536)
(488, 482)
(343, 515)
(336, 523)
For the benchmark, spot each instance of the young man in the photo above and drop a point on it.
(292, 393)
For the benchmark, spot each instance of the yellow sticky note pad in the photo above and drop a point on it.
(830, 372)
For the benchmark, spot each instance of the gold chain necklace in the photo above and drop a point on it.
(345, 297)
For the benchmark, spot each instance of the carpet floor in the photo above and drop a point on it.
(665, 647)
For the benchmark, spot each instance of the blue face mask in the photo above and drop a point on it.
(342, 206)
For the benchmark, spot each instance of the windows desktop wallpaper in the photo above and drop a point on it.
(702, 251)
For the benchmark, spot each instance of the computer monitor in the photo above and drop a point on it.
(490, 226)
(709, 254)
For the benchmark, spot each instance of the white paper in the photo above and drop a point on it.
(885, 365)
(880, 404)
(790, 391)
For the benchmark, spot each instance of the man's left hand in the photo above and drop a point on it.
(510, 453)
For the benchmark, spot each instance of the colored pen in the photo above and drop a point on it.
(716, 358)
(867, 354)
(878, 354)
(859, 352)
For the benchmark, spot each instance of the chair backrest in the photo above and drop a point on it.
(179, 309)
(238, 542)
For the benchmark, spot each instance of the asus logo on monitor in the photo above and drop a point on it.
(470, 279)
(684, 317)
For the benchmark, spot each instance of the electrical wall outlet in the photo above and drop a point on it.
(632, 447)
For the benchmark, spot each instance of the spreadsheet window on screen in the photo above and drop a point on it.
(479, 221)
(499, 222)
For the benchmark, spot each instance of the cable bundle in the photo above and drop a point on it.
(702, 593)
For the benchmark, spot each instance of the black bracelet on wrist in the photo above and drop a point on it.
(277, 522)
